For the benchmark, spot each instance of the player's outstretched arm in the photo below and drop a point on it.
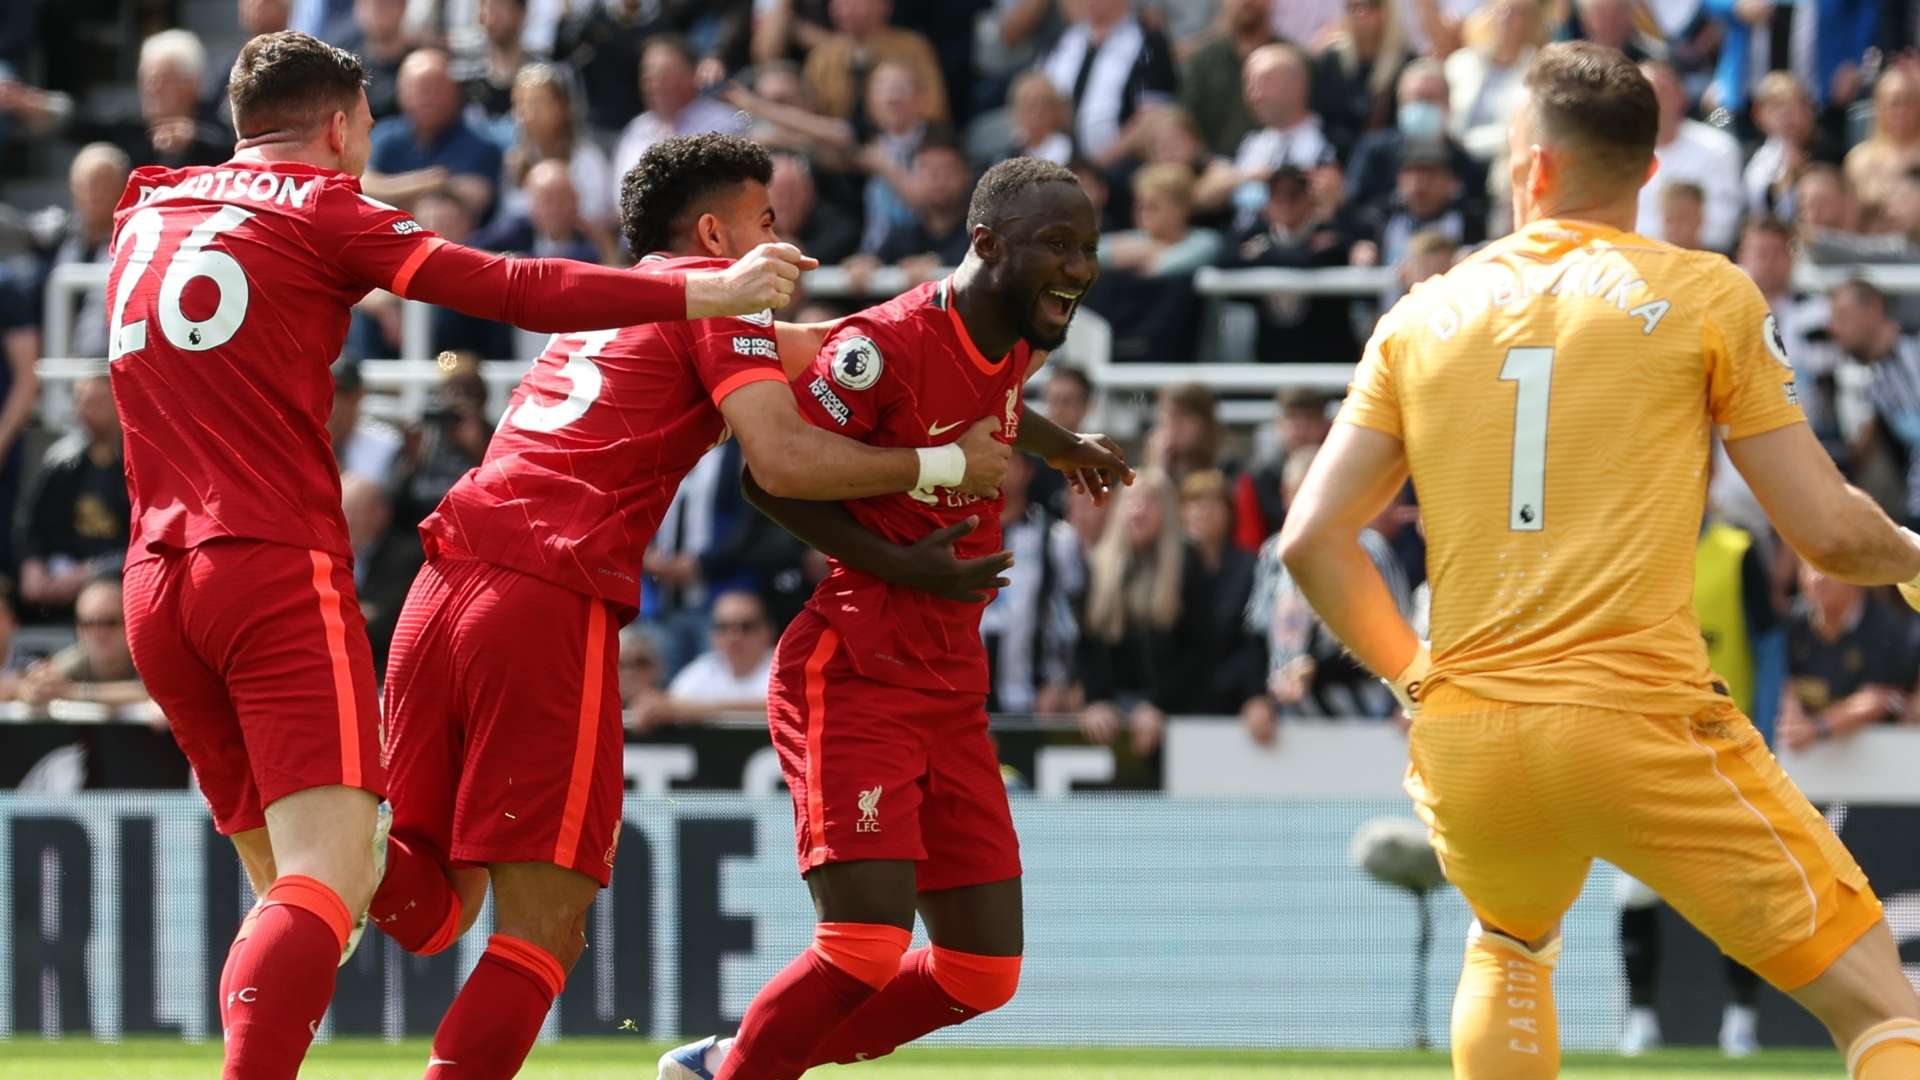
(562, 295)
(928, 566)
(1829, 522)
(1091, 463)
(1357, 473)
(794, 459)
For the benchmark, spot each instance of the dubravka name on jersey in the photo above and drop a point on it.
(1471, 292)
(231, 184)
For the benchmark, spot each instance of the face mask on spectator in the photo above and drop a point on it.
(1421, 120)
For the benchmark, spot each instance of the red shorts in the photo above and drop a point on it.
(257, 654)
(879, 771)
(503, 711)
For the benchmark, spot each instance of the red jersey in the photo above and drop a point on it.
(906, 373)
(230, 295)
(595, 442)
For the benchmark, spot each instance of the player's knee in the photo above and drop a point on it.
(981, 983)
(869, 952)
(560, 932)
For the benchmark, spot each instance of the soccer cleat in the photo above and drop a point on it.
(696, 1060)
(382, 825)
(1739, 1032)
(1643, 1033)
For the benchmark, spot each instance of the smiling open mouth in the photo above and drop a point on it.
(1059, 304)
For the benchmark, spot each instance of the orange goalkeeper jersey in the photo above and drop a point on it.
(1557, 394)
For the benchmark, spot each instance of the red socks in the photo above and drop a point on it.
(279, 978)
(227, 989)
(498, 1014)
(847, 963)
(934, 988)
(415, 904)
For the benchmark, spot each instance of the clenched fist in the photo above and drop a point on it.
(764, 279)
(987, 458)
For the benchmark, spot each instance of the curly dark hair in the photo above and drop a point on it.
(1002, 185)
(668, 189)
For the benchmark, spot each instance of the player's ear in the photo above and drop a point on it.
(337, 132)
(708, 235)
(986, 243)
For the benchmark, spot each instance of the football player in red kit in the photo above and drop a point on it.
(230, 294)
(506, 744)
(878, 697)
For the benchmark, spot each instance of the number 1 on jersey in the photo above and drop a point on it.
(1531, 369)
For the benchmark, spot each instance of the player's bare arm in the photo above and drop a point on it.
(800, 343)
(1356, 475)
(928, 565)
(1829, 522)
(794, 459)
(1091, 463)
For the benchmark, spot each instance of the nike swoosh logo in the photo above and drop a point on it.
(934, 431)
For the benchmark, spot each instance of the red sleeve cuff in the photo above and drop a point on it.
(741, 378)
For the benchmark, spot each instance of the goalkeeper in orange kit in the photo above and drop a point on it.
(1554, 400)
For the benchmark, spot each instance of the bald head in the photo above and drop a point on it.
(1274, 84)
(95, 180)
(428, 95)
(552, 203)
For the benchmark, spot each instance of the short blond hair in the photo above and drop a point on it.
(1170, 180)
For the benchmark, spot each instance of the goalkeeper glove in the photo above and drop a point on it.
(1407, 685)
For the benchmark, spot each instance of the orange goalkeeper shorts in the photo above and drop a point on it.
(1521, 798)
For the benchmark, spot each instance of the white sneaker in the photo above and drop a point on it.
(382, 825)
(1643, 1033)
(696, 1060)
(1739, 1032)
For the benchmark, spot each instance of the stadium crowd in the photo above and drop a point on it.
(1210, 133)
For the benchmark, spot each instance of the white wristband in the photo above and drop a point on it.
(941, 466)
(1407, 685)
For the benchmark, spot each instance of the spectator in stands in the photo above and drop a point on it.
(488, 82)
(897, 106)
(601, 43)
(674, 103)
(547, 128)
(730, 677)
(1259, 500)
(1236, 666)
(453, 438)
(1292, 234)
(1142, 639)
(550, 225)
(1484, 81)
(1683, 215)
(1357, 76)
(1783, 111)
(382, 42)
(1611, 23)
(1289, 135)
(1691, 152)
(1112, 69)
(1185, 437)
(254, 17)
(77, 514)
(639, 665)
(1420, 125)
(839, 64)
(1766, 254)
(430, 149)
(678, 588)
(95, 181)
(1825, 44)
(1823, 204)
(385, 559)
(1894, 146)
(1427, 198)
(169, 129)
(1163, 241)
(361, 444)
(12, 665)
(1852, 663)
(1068, 398)
(1210, 79)
(1429, 254)
(98, 667)
(789, 29)
(822, 229)
(1862, 327)
(1029, 628)
(937, 191)
(1307, 21)
(1308, 673)
(1042, 120)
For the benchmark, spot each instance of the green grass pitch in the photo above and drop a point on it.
(623, 1059)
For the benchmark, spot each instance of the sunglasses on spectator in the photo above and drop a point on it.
(735, 626)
